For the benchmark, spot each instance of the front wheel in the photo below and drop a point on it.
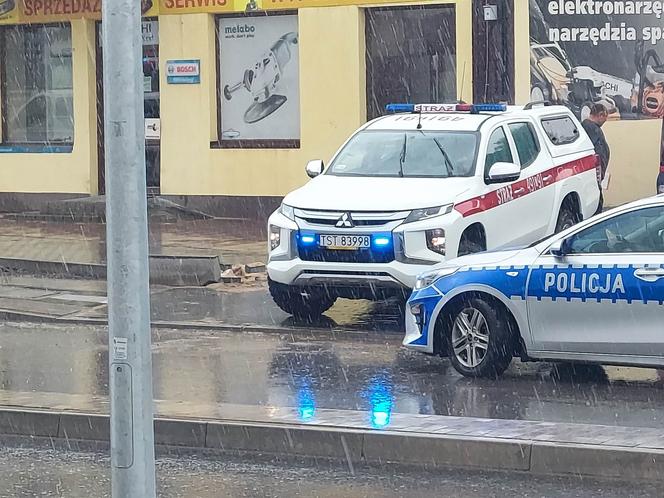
(299, 301)
(479, 341)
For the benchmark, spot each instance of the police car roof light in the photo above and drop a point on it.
(488, 108)
(400, 107)
(438, 108)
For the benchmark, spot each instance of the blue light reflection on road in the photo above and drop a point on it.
(306, 400)
(379, 394)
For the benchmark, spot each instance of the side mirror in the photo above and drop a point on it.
(560, 248)
(314, 168)
(504, 172)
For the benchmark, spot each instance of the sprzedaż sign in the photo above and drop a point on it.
(183, 72)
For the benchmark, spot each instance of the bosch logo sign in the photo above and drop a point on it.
(183, 71)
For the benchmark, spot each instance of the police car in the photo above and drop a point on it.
(591, 293)
(423, 184)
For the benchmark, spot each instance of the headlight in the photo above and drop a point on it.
(428, 278)
(423, 214)
(287, 211)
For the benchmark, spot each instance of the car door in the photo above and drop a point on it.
(499, 221)
(604, 297)
(535, 194)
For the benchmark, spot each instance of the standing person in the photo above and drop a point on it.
(593, 126)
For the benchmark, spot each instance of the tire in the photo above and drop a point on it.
(483, 339)
(567, 217)
(291, 300)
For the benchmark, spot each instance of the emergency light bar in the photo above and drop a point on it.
(437, 108)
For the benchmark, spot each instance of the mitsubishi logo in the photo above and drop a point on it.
(345, 221)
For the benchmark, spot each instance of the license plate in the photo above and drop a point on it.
(344, 242)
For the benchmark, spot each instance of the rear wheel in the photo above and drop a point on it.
(299, 301)
(479, 339)
(567, 217)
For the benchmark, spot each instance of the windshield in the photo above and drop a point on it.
(439, 154)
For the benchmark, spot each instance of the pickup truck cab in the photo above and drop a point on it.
(423, 184)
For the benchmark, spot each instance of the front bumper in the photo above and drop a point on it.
(391, 268)
(392, 275)
(420, 325)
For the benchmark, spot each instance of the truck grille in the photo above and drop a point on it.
(335, 256)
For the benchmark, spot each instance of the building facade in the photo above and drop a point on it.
(240, 94)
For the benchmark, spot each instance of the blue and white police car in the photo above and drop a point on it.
(592, 293)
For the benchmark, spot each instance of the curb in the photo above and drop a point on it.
(164, 270)
(19, 316)
(354, 446)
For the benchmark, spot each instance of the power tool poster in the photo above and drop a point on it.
(599, 51)
(259, 69)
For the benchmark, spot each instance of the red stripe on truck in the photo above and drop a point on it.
(526, 186)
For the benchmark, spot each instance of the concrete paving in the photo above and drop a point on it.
(246, 304)
(235, 241)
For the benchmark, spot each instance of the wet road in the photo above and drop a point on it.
(197, 370)
(30, 472)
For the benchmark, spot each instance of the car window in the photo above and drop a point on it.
(641, 230)
(526, 142)
(561, 130)
(498, 150)
(436, 154)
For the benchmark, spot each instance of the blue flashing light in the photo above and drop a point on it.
(489, 108)
(307, 239)
(381, 241)
(400, 107)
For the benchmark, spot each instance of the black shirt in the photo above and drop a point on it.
(596, 135)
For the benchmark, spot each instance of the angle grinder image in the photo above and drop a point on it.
(263, 79)
(6, 6)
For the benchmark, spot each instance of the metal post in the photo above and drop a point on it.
(130, 377)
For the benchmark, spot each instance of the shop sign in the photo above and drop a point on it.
(150, 32)
(152, 128)
(259, 68)
(607, 52)
(183, 72)
(222, 6)
(43, 11)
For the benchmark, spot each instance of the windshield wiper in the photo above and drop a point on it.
(449, 166)
(402, 157)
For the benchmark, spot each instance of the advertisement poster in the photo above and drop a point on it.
(259, 61)
(8, 11)
(610, 51)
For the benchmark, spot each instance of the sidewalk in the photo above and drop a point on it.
(234, 241)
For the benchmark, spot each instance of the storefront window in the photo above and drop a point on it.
(259, 95)
(36, 74)
(411, 56)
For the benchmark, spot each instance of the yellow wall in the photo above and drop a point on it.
(332, 103)
(68, 173)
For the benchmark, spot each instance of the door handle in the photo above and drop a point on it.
(649, 274)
